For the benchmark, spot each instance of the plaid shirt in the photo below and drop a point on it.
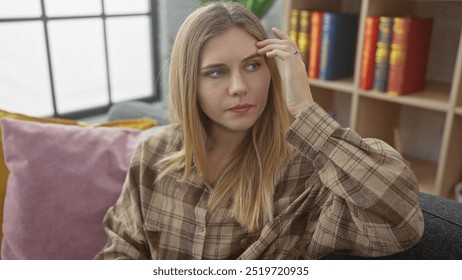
(339, 193)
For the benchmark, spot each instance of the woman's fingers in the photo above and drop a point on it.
(282, 47)
(278, 53)
(279, 33)
(276, 48)
(282, 35)
(293, 70)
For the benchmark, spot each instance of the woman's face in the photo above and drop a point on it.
(233, 81)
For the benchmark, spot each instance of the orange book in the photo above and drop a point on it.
(315, 46)
(409, 55)
(366, 80)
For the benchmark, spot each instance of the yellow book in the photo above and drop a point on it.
(293, 26)
(303, 41)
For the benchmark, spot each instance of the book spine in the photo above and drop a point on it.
(368, 53)
(382, 53)
(327, 44)
(401, 29)
(293, 24)
(409, 55)
(304, 35)
(315, 44)
(338, 45)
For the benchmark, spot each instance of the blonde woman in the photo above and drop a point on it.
(251, 167)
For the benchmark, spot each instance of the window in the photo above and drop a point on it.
(75, 58)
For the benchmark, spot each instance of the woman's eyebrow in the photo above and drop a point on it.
(252, 56)
(214, 65)
(211, 66)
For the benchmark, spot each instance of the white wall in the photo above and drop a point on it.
(171, 14)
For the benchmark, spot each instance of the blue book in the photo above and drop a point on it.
(338, 45)
(382, 53)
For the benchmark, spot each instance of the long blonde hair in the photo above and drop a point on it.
(250, 176)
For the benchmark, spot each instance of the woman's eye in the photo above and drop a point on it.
(253, 66)
(215, 73)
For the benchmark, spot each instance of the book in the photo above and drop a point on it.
(366, 76)
(382, 53)
(303, 38)
(293, 24)
(338, 45)
(315, 44)
(409, 54)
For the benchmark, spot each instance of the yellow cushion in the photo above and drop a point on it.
(141, 124)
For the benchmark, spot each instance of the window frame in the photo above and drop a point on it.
(152, 14)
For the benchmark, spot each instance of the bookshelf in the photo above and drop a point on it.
(428, 122)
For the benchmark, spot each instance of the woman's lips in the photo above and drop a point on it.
(241, 108)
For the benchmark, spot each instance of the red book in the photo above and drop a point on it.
(366, 80)
(409, 55)
(315, 44)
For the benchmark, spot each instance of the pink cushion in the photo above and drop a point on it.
(62, 181)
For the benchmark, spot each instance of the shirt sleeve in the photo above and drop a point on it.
(123, 221)
(373, 209)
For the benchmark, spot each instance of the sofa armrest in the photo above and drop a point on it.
(442, 238)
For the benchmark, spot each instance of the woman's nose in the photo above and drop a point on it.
(238, 84)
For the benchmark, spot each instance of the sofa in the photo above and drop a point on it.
(59, 177)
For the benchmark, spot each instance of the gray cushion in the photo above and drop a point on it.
(138, 109)
(442, 238)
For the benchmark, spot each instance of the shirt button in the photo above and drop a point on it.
(201, 229)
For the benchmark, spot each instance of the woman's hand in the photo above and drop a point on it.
(293, 70)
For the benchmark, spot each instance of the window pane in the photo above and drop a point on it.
(24, 79)
(129, 57)
(126, 6)
(78, 60)
(56, 8)
(20, 8)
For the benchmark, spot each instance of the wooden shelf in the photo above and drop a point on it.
(434, 97)
(425, 172)
(345, 85)
(458, 111)
(439, 107)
